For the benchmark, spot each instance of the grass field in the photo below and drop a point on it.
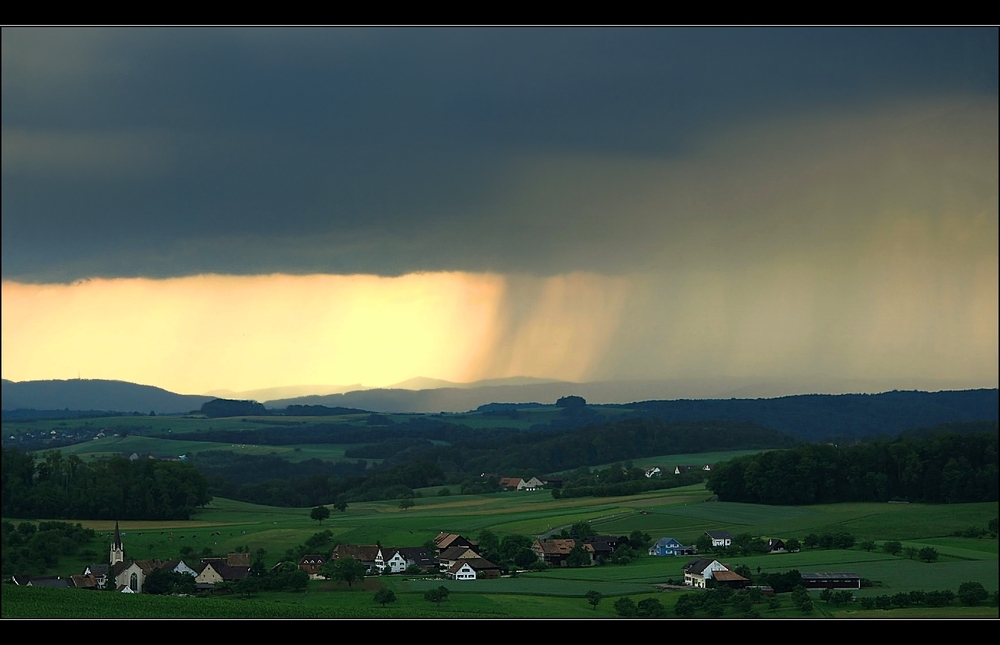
(110, 446)
(682, 513)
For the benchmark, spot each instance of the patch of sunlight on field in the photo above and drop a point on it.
(984, 547)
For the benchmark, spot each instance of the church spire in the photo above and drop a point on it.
(117, 550)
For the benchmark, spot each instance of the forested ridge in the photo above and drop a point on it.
(942, 468)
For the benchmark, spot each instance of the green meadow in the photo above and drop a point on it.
(111, 446)
(683, 513)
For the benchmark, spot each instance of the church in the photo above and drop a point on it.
(128, 577)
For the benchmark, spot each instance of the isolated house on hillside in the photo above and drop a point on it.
(653, 472)
(510, 482)
(680, 470)
(531, 484)
(720, 538)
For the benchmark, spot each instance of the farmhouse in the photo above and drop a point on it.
(472, 569)
(311, 564)
(730, 579)
(454, 554)
(700, 570)
(366, 554)
(531, 484)
(555, 552)
(446, 540)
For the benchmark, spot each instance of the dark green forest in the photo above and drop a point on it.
(114, 488)
(942, 468)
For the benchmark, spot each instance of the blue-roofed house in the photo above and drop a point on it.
(670, 546)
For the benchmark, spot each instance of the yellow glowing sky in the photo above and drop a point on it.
(896, 315)
(199, 333)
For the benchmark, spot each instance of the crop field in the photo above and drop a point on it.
(682, 513)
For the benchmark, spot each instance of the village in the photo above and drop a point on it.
(451, 556)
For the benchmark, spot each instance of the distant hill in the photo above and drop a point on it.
(95, 394)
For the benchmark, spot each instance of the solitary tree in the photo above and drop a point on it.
(594, 598)
(928, 554)
(405, 503)
(437, 595)
(892, 547)
(340, 505)
(319, 514)
(383, 596)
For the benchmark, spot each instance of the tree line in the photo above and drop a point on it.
(57, 487)
(945, 468)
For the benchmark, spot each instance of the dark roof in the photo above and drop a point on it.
(312, 559)
(360, 552)
(418, 555)
(719, 535)
(455, 552)
(49, 581)
(84, 582)
(116, 543)
(479, 564)
(830, 576)
(223, 569)
(697, 565)
(98, 569)
(238, 559)
(556, 547)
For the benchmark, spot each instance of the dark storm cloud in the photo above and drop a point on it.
(171, 152)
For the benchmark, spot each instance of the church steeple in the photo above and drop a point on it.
(117, 550)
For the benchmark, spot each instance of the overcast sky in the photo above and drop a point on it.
(615, 203)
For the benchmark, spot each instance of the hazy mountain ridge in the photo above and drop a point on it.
(96, 394)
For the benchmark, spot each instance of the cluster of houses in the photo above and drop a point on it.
(129, 576)
(455, 557)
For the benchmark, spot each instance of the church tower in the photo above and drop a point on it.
(117, 550)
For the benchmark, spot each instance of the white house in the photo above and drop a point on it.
(720, 538)
(699, 570)
(461, 571)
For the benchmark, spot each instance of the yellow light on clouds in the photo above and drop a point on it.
(199, 333)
